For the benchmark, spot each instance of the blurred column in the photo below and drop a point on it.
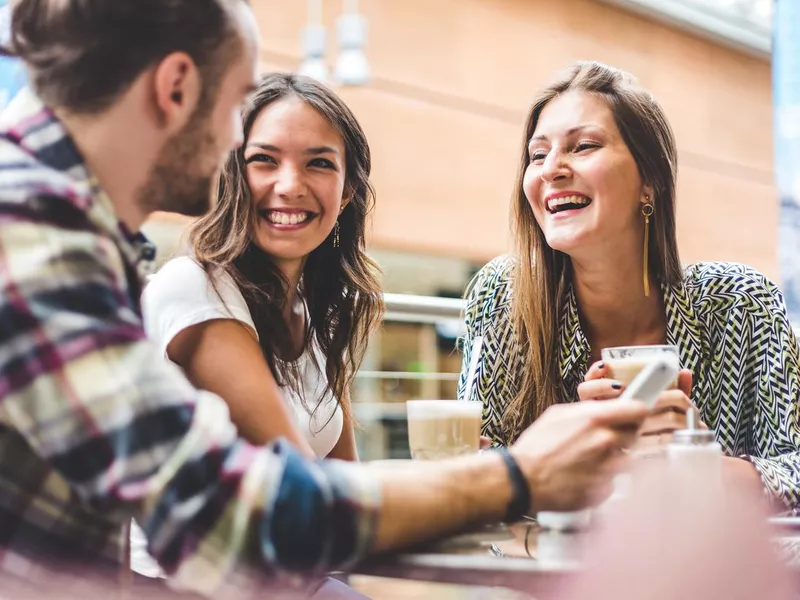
(352, 66)
(314, 39)
(429, 360)
(786, 98)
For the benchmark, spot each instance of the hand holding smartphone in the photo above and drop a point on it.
(656, 377)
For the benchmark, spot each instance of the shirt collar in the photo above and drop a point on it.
(575, 349)
(683, 326)
(683, 331)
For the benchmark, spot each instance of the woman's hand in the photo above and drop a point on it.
(667, 415)
(669, 411)
(597, 385)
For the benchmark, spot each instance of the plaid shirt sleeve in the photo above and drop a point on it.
(130, 435)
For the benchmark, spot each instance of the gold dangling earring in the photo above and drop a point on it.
(647, 210)
(336, 234)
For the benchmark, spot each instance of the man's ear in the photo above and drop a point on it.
(177, 89)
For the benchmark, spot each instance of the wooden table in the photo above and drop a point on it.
(549, 560)
(459, 561)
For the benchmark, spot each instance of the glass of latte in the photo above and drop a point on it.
(443, 428)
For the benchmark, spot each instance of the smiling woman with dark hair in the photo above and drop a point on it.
(273, 309)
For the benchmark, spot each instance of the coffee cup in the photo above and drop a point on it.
(624, 363)
(443, 428)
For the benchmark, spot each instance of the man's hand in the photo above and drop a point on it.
(572, 452)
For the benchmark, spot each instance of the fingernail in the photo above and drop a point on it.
(616, 385)
(601, 365)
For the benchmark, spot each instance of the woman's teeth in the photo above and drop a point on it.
(282, 218)
(567, 202)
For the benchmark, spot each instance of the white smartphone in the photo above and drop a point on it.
(652, 380)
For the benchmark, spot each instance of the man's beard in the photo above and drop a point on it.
(177, 182)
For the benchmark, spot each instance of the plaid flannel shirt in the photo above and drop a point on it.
(96, 428)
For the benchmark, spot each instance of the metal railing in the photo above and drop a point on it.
(422, 309)
(418, 376)
(383, 431)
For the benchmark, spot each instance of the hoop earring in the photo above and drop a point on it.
(336, 234)
(647, 210)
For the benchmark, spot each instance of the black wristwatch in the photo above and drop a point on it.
(521, 499)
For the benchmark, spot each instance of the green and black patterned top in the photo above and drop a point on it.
(729, 322)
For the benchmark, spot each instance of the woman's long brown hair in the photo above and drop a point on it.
(340, 285)
(542, 276)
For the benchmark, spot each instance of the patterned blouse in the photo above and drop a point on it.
(730, 325)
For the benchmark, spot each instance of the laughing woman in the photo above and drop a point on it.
(596, 265)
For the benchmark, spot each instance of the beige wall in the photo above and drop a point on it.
(452, 81)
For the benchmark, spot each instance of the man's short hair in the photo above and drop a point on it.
(82, 55)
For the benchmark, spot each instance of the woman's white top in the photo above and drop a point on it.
(179, 296)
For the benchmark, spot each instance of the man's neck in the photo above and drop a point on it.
(117, 155)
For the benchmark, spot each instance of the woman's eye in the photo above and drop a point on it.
(538, 156)
(266, 158)
(323, 163)
(586, 146)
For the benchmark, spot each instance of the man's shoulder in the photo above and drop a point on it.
(32, 191)
(45, 226)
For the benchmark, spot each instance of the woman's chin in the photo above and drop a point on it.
(567, 246)
(572, 242)
(284, 251)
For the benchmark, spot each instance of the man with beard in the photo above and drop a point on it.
(134, 106)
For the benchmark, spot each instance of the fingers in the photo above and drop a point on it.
(668, 414)
(604, 472)
(603, 483)
(609, 439)
(597, 371)
(646, 443)
(618, 414)
(674, 400)
(666, 422)
(485, 443)
(685, 382)
(599, 389)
